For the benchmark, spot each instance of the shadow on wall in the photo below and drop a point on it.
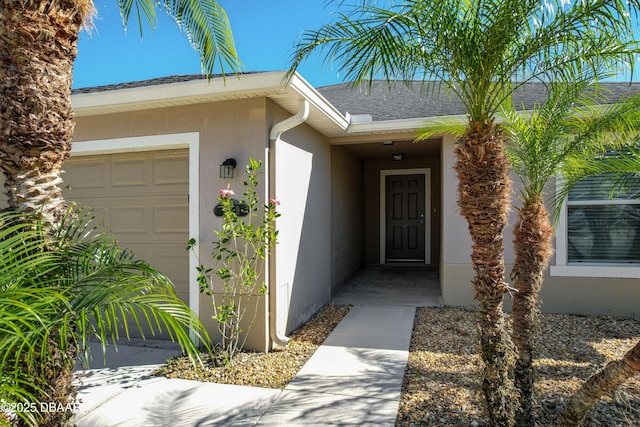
(302, 253)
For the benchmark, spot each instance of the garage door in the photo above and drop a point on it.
(144, 200)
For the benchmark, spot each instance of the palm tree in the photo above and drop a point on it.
(39, 40)
(569, 126)
(58, 291)
(482, 51)
(27, 313)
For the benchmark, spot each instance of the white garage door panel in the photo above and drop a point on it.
(143, 198)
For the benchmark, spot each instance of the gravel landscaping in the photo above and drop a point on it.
(440, 384)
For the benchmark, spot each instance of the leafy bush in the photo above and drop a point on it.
(240, 252)
(59, 288)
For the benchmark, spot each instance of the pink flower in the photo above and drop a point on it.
(275, 202)
(226, 193)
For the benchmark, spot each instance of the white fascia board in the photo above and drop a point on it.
(308, 92)
(270, 82)
(400, 125)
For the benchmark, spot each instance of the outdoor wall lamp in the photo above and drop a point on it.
(398, 156)
(227, 167)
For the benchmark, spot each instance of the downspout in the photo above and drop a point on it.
(274, 136)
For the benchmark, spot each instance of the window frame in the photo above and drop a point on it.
(563, 267)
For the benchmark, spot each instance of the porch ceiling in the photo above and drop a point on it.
(409, 149)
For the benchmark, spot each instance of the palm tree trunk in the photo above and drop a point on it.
(38, 46)
(37, 49)
(598, 384)
(484, 199)
(57, 381)
(533, 237)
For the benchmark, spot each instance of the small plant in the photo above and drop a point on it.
(239, 253)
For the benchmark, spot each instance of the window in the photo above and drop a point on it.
(599, 231)
(602, 228)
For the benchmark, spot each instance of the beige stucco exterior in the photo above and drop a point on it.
(302, 179)
(220, 136)
(560, 294)
(326, 173)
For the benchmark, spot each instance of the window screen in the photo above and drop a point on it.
(603, 224)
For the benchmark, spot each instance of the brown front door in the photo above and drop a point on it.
(405, 217)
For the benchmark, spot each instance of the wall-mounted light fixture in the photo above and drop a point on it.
(398, 156)
(226, 168)
(387, 143)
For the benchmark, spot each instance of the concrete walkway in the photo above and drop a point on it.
(354, 378)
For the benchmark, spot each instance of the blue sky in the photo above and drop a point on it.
(264, 30)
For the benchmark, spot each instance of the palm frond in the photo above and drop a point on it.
(483, 50)
(30, 315)
(14, 392)
(448, 126)
(620, 167)
(114, 291)
(207, 27)
(575, 125)
(143, 9)
(29, 297)
(59, 289)
(204, 22)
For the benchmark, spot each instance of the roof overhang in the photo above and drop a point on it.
(323, 117)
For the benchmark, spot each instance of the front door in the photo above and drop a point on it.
(405, 217)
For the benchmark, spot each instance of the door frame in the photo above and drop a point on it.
(189, 140)
(427, 209)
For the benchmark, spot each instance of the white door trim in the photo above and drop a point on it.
(189, 140)
(427, 209)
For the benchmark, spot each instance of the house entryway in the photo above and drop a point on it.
(405, 215)
(403, 285)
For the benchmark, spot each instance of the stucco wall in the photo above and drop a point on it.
(560, 294)
(227, 129)
(303, 187)
(347, 214)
